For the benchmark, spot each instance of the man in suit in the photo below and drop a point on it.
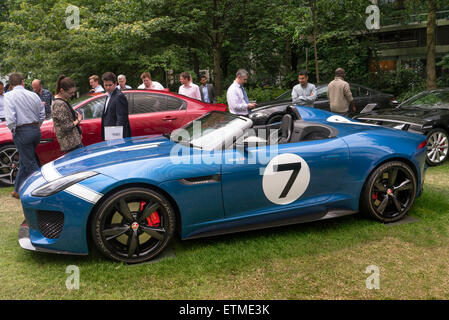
(207, 91)
(115, 112)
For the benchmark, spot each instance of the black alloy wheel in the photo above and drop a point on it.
(437, 147)
(389, 192)
(133, 225)
(9, 164)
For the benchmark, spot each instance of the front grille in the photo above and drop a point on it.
(50, 223)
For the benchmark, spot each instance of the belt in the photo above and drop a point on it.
(29, 124)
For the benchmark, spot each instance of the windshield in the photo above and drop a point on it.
(213, 131)
(429, 100)
(74, 103)
(321, 92)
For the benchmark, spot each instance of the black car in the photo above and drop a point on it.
(268, 112)
(426, 113)
(361, 94)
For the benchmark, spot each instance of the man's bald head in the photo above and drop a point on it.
(37, 85)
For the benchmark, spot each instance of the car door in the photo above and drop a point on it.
(154, 113)
(286, 177)
(48, 148)
(91, 124)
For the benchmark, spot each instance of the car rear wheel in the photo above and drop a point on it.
(437, 147)
(133, 225)
(9, 164)
(389, 192)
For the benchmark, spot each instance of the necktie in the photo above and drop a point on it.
(245, 96)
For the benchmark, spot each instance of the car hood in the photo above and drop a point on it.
(109, 153)
(402, 115)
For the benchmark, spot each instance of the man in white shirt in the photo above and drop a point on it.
(122, 83)
(304, 93)
(188, 88)
(94, 82)
(2, 108)
(238, 101)
(149, 84)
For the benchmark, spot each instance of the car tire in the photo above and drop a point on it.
(437, 147)
(9, 164)
(133, 225)
(389, 192)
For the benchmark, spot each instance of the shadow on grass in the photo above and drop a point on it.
(240, 251)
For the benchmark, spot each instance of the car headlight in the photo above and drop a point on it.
(62, 183)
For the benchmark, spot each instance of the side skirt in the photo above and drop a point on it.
(228, 228)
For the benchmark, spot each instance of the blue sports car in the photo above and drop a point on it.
(219, 174)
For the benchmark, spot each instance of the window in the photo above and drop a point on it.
(355, 91)
(93, 109)
(321, 93)
(364, 92)
(175, 103)
(145, 102)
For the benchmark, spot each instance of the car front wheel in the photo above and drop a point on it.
(437, 147)
(389, 192)
(133, 225)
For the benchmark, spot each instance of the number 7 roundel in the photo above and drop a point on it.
(285, 178)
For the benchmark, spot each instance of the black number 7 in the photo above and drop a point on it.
(295, 167)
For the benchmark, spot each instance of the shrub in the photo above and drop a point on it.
(258, 94)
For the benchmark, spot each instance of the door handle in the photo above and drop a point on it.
(169, 118)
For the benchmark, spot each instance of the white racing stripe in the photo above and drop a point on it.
(340, 119)
(50, 173)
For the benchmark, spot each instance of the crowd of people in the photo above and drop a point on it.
(24, 111)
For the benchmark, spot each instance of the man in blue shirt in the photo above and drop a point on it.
(45, 96)
(304, 93)
(24, 113)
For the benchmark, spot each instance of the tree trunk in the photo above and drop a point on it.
(314, 41)
(216, 51)
(431, 46)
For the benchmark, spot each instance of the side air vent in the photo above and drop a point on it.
(201, 180)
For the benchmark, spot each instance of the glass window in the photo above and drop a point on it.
(145, 103)
(175, 103)
(93, 109)
(321, 93)
(364, 92)
(355, 91)
(431, 100)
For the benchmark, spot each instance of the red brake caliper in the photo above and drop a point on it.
(153, 220)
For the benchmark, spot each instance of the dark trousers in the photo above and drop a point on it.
(26, 139)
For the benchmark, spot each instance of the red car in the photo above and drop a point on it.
(150, 112)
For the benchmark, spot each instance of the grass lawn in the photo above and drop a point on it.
(320, 260)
